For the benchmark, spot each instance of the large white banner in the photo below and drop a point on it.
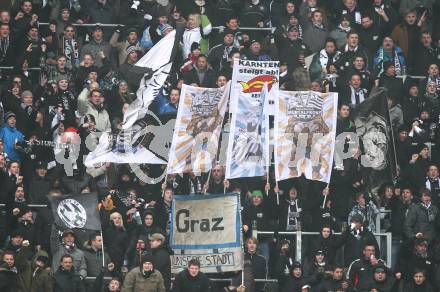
(207, 228)
(197, 130)
(305, 129)
(248, 148)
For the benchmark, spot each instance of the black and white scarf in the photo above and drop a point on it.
(361, 95)
(324, 59)
(433, 184)
(27, 108)
(346, 29)
(70, 49)
(4, 46)
(318, 25)
(293, 214)
(429, 208)
(347, 49)
(435, 79)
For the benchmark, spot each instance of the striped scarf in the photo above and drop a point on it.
(396, 61)
(71, 51)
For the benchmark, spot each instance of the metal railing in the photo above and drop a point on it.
(299, 234)
(412, 76)
(220, 280)
(122, 25)
(30, 206)
(12, 68)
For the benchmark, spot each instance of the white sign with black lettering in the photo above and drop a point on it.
(208, 228)
(223, 260)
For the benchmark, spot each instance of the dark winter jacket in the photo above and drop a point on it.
(389, 285)
(412, 287)
(354, 244)
(162, 262)
(94, 260)
(8, 277)
(328, 245)
(259, 268)
(41, 281)
(38, 189)
(360, 272)
(423, 220)
(117, 241)
(293, 284)
(193, 77)
(67, 281)
(184, 282)
(135, 281)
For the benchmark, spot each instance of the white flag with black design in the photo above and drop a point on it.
(79, 211)
(157, 65)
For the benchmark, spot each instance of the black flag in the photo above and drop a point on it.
(78, 211)
(373, 127)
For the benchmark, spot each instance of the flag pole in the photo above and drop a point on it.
(242, 276)
(242, 244)
(267, 178)
(325, 196)
(102, 248)
(165, 182)
(207, 181)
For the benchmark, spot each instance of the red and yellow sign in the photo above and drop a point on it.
(256, 84)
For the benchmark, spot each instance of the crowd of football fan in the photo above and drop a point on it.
(59, 76)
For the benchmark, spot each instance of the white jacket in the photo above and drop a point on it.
(193, 35)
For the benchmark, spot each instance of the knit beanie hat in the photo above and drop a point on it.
(9, 115)
(257, 193)
(163, 27)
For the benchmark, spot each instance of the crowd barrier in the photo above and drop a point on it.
(224, 280)
(122, 25)
(12, 68)
(383, 212)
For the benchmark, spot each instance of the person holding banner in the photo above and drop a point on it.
(95, 257)
(216, 185)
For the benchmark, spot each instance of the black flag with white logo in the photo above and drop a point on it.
(374, 129)
(76, 211)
